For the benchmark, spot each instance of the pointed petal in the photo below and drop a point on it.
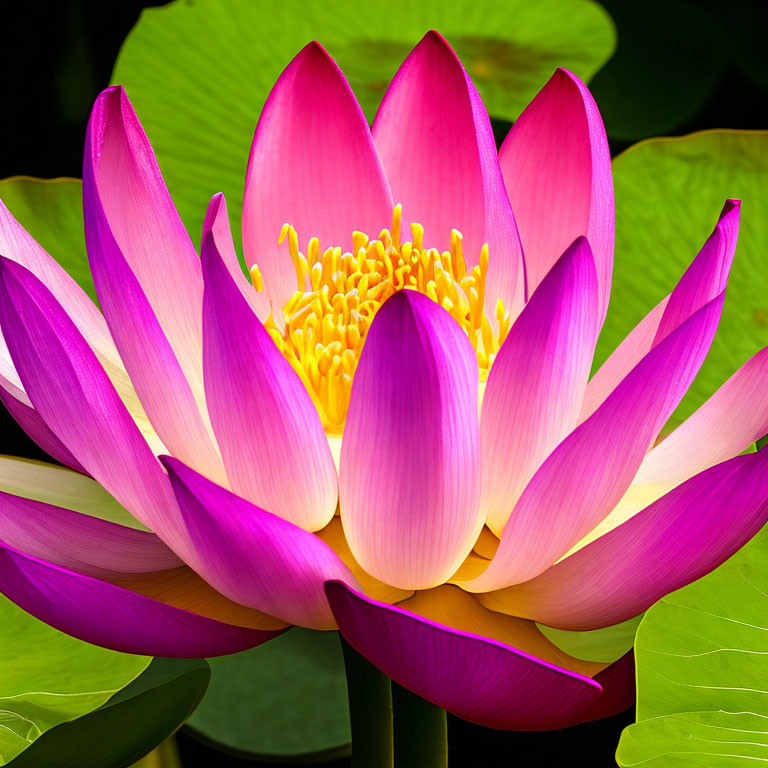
(80, 542)
(114, 617)
(704, 279)
(437, 147)
(313, 165)
(557, 171)
(536, 385)
(410, 459)
(587, 474)
(126, 202)
(73, 395)
(270, 435)
(217, 222)
(256, 558)
(125, 266)
(676, 540)
(477, 678)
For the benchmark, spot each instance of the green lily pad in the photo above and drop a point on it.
(199, 71)
(286, 698)
(51, 210)
(48, 678)
(607, 644)
(132, 723)
(702, 675)
(669, 193)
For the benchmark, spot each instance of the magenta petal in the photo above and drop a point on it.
(81, 542)
(30, 421)
(161, 348)
(704, 279)
(270, 435)
(73, 395)
(217, 223)
(536, 385)
(476, 678)
(253, 557)
(312, 165)
(409, 478)
(557, 171)
(587, 474)
(437, 147)
(117, 618)
(674, 541)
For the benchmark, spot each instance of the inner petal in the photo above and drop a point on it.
(322, 328)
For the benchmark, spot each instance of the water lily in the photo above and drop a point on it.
(390, 428)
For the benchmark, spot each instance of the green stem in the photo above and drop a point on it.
(370, 711)
(421, 731)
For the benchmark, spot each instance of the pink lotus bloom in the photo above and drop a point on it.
(392, 433)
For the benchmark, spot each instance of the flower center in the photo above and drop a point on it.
(325, 322)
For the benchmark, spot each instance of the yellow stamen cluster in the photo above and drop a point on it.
(326, 320)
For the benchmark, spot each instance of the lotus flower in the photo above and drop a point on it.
(388, 431)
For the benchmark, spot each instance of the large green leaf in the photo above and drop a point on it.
(131, 724)
(199, 71)
(51, 210)
(668, 195)
(702, 676)
(48, 678)
(287, 697)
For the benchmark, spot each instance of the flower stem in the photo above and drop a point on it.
(420, 731)
(370, 711)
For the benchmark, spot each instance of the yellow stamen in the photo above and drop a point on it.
(338, 295)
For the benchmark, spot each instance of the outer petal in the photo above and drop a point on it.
(479, 679)
(436, 144)
(557, 171)
(270, 435)
(217, 223)
(72, 393)
(29, 420)
(147, 276)
(537, 382)
(704, 279)
(676, 540)
(312, 164)
(587, 474)
(254, 557)
(83, 543)
(105, 614)
(410, 468)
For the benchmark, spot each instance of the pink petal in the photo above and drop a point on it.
(313, 165)
(80, 542)
(676, 540)
(536, 385)
(436, 144)
(704, 279)
(217, 222)
(253, 557)
(587, 474)
(114, 617)
(270, 435)
(73, 395)
(476, 678)
(159, 346)
(410, 469)
(557, 171)
(29, 420)
(127, 202)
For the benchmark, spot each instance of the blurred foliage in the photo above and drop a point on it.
(49, 678)
(701, 671)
